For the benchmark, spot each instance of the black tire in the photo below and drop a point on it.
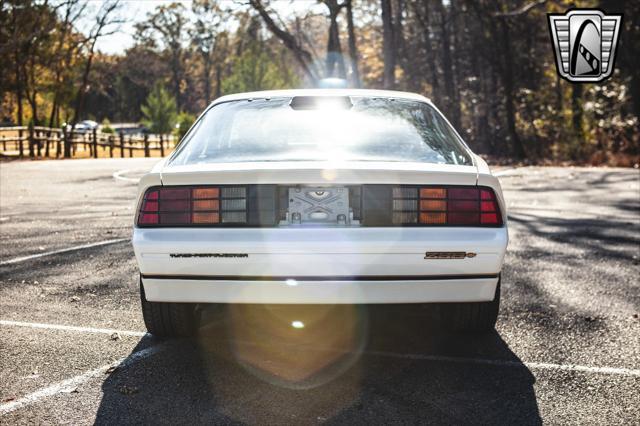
(169, 319)
(475, 317)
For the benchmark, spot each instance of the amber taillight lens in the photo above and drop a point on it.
(445, 206)
(193, 206)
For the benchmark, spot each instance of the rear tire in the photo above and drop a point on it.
(475, 317)
(169, 319)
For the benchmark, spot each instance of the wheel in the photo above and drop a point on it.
(169, 319)
(478, 317)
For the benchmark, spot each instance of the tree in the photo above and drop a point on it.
(167, 27)
(105, 23)
(302, 55)
(68, 41)
(334, 50)
(26, 27)
(184, 121)
(333, 59)
(136, 74)
(389, 45)
(255, 70)
(159, 111)
(421, 11)
(207, 39)
(447, 16)
(488, 64)
(353, 48)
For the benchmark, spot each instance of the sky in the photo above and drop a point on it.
(136, 11)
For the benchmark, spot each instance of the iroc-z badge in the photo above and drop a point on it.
(585, 42)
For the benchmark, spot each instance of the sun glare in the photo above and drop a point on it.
(297, 324)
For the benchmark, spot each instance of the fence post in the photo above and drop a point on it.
(46, 143)
(162, 145)
(95, 143)
(146, 145)
(31, 153)
(63, 152)
(121, 144)
(58, 145)
(20, 143)
(68, 144)
(111, 146)
(38, 141)
(130, 146)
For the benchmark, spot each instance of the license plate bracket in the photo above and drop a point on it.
(327, 206)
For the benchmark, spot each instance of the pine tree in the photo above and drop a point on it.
(159, 111)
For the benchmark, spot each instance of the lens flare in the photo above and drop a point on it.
(296, 346)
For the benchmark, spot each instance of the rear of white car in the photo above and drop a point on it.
(273, 215)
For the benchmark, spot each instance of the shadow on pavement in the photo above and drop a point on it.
(310, 364)
(607, 239)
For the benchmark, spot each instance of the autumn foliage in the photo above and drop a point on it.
(487, 64)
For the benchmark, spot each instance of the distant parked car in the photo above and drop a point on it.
(320, 197)
(129, 128)
(85, 126)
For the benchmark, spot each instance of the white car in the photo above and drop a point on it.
(320, 197)
(85, 126)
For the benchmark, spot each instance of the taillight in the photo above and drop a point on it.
(193, 205)
(445, 206)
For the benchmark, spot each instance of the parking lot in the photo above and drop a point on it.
(73, 348)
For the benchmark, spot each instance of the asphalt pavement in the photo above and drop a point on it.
(73, 349)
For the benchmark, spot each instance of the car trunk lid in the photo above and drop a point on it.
(315, 173)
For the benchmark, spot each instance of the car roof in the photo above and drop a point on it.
(322, 92)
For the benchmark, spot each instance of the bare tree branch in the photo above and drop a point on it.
(521, 11)
(104, 20)
(302, 55)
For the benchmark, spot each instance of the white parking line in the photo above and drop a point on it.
(70, 384)
(438, 358)
(505, 172)
(118, 176)
(65, 250)
(72, 328)
(507, 363)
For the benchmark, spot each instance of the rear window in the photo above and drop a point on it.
(286, 129)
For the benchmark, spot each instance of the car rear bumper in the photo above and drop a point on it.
(330, 291)
(319, 265)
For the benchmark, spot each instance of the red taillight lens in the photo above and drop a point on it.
(148, 219)
(489, 209)
(201, 205)
(454, 206)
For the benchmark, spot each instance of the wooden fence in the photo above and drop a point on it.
(41, 142)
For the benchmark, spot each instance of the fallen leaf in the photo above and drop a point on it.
(128, 390)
